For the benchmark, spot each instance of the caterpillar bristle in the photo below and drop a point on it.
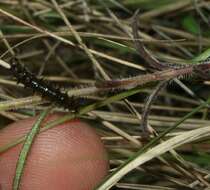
(42, 87)
(185, 77)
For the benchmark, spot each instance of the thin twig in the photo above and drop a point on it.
(147, 107)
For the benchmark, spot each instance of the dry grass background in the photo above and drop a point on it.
(75, 43)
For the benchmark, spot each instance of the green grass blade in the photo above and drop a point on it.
(118, 174)
(26, 149)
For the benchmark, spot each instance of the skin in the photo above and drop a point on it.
(68, 156)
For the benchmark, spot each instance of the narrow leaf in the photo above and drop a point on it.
(26, 149)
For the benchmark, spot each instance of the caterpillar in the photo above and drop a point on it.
(45, 89)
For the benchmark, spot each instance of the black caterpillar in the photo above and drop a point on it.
(46, 90)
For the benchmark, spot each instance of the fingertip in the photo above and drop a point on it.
(68, 156)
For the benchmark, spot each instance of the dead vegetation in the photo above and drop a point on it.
(74, 44)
